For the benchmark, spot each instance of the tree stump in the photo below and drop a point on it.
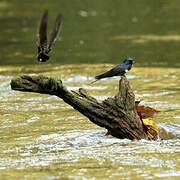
(117, 114)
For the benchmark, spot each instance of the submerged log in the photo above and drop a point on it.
(117, 114)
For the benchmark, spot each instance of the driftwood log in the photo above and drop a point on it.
(117, 114)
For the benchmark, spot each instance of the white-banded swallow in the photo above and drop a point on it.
(43, 44)
(118, 70)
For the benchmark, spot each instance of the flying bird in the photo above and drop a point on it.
(119, 70)
(43, 44)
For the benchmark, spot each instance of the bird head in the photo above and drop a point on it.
(42, 57)
(129, 61)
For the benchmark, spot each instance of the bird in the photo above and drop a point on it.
(118, 70)
(44, 45)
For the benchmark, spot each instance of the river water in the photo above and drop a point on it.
(41, 137)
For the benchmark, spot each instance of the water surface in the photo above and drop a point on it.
(41, 137)
(94, 31)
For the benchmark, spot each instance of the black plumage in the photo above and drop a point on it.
(119, 70)
(45, 46)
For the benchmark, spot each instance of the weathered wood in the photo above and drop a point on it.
(118, 114)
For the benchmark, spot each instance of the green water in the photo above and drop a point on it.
(94, 31)
(41, 137)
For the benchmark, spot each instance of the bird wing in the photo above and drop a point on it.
(42, 33)
(113, 72)
(55, 30)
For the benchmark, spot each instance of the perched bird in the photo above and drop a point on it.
(119, 70)
(43, 44)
